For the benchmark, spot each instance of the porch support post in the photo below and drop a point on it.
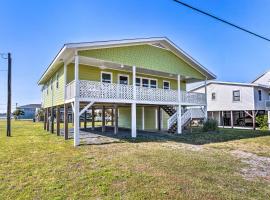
(143, 118)
(268, 114)
(85, 119)
(205, 107)
(58, 120)
(133, 105)
(65, 80)
(112, 117)
(76, 114)
(156, 118)
(45, 119)
(179, 115)
(52, 119)
(254, 119)
(231, 119)
(222, 114)
(116, 119)
(48, 121)
(93, 118)
(103, 119)
(159, 118)
(66, 121)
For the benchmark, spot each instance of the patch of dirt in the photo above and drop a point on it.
(258, 166)
(183, 146)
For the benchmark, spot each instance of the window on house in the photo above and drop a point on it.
(138, 82)
(106, 77)
(236, 95)
(57, 81)
(166, 85)
(145, 82)
(123, 80)
(213, 96)
(260, 95)
(153, 83)
(47, 89)
(51, 84)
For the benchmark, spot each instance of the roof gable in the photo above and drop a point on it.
(161, 43)
(145, 56)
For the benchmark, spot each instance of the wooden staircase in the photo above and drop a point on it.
(171, 111)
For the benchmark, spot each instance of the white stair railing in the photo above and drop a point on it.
(184, 118)
(172, 120)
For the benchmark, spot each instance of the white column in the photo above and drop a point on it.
(268, 113)
(65, 80)
(76, 103)
(205, 107)
(133, 105)
(179, 115)
(143, 118)
(156, 118)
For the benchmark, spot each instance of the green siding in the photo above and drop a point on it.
(124, 119)
(149, 117)
(56, 95)
(147, 56)
(165, 118)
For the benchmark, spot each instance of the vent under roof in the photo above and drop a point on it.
(159, 45)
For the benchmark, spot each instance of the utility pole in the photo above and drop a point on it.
(9, 96)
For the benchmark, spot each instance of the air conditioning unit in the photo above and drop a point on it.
(267, 104)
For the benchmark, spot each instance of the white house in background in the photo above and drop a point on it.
(236, 104)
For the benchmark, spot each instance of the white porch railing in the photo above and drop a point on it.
(113, 91)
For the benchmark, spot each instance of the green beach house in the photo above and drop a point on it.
(143, 82)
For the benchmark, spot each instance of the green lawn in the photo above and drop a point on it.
(35, 164)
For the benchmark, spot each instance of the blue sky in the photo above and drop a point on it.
(34, 31)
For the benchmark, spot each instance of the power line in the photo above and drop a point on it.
(222, 20)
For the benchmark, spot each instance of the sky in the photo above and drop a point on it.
(34, 31)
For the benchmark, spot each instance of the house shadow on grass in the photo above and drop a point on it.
(197, 137)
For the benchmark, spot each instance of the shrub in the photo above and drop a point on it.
(210, 125)
(262, 121)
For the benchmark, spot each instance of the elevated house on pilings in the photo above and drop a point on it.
(142, 80)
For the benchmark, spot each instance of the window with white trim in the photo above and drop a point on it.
(138, 81)
(51, 84)
(57, 81)
(236, 95)
(106, 77)
(123, 79)
(153, 83)
(166, 85)
(260, 95)
(145, 82)
(213, 96)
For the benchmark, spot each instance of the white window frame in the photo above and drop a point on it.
(51, 84)
(104, 72)
(164, 81)
(57, 81)
(259, 91)
(153, 79)
(215, 96)
(124, 75)
(239, 95)
(149, 79)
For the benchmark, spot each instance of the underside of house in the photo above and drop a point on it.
(238, 118)
(138, 84)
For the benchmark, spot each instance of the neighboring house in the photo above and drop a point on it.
(236, 104)
(29, 111)
(142, 80)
